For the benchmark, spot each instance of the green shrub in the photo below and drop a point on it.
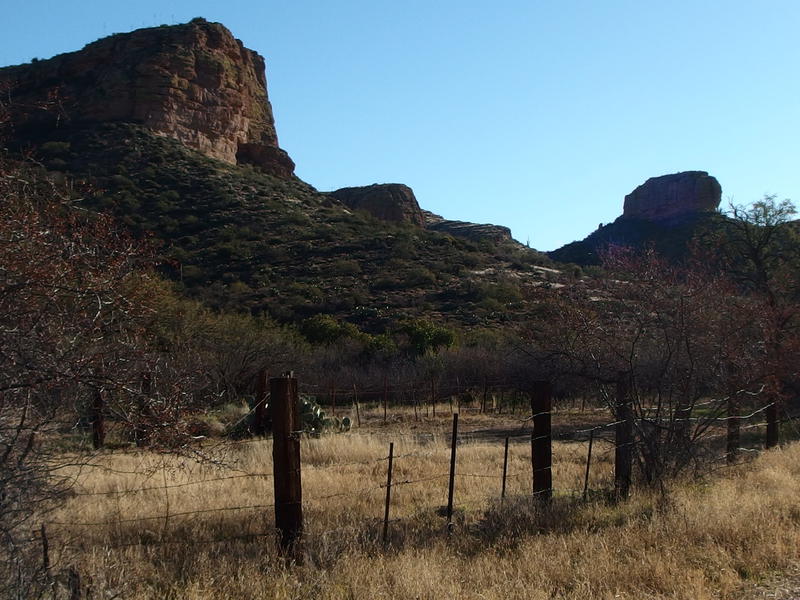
(424, 336)
(345, 267)
(55, 149)
(418, 277)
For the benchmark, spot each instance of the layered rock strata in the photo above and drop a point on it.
(193, 82)
(470, 231)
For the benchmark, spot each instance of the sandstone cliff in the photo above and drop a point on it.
(193, 82)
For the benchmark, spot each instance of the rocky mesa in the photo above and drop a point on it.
(665, 211)
(673, 196)
(395, 202)
(193, 82)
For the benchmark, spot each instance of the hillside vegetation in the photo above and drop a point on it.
(242, 240)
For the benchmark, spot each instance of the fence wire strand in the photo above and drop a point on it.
(707, 434)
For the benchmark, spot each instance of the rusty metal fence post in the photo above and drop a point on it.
(505, 472)
(772, 425)
(388, 495)
(623, 451)
(451, 487)
(588, 466)
(286, 428)
(542, 440)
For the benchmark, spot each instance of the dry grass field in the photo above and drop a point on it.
(161, 526)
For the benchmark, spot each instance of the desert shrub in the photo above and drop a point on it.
(421, 336)
(345, 267)
(418, 277)
(55, 149)
(325, 329)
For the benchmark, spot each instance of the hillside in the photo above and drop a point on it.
(170, 129)
(175, 137)
(238, 238)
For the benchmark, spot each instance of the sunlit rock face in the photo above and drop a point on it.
(668, 197)
(194, 82)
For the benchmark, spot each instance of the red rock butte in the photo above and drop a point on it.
(194, 82)
(673, 196)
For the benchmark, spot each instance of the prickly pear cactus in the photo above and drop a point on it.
(313, 418)
(315, 421)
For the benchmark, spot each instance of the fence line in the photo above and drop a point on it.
(159, 517)
(170, 486)
(535, 436)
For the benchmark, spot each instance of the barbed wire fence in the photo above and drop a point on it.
(616, 439)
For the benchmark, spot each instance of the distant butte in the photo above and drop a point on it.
(673, 196)
(665, 211)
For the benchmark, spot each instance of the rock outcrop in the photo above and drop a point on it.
(665, 212)
(673, 196)
(193, 82)
(393, 202)
(470, 231)
(396, 202)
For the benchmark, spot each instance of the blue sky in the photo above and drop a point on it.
(536, 115)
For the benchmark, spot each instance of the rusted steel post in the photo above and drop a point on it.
(505, 472)
(542, 440)
(623, 451)
(260, 417)
(355, 399)
(451, 488)
(98, 420)
(588, 464)
(772, 425)
(388, 495)
(286, 429)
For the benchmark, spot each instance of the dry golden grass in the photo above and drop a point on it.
(698, 542)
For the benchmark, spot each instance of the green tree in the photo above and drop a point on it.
(424, 336)
(760, 246)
